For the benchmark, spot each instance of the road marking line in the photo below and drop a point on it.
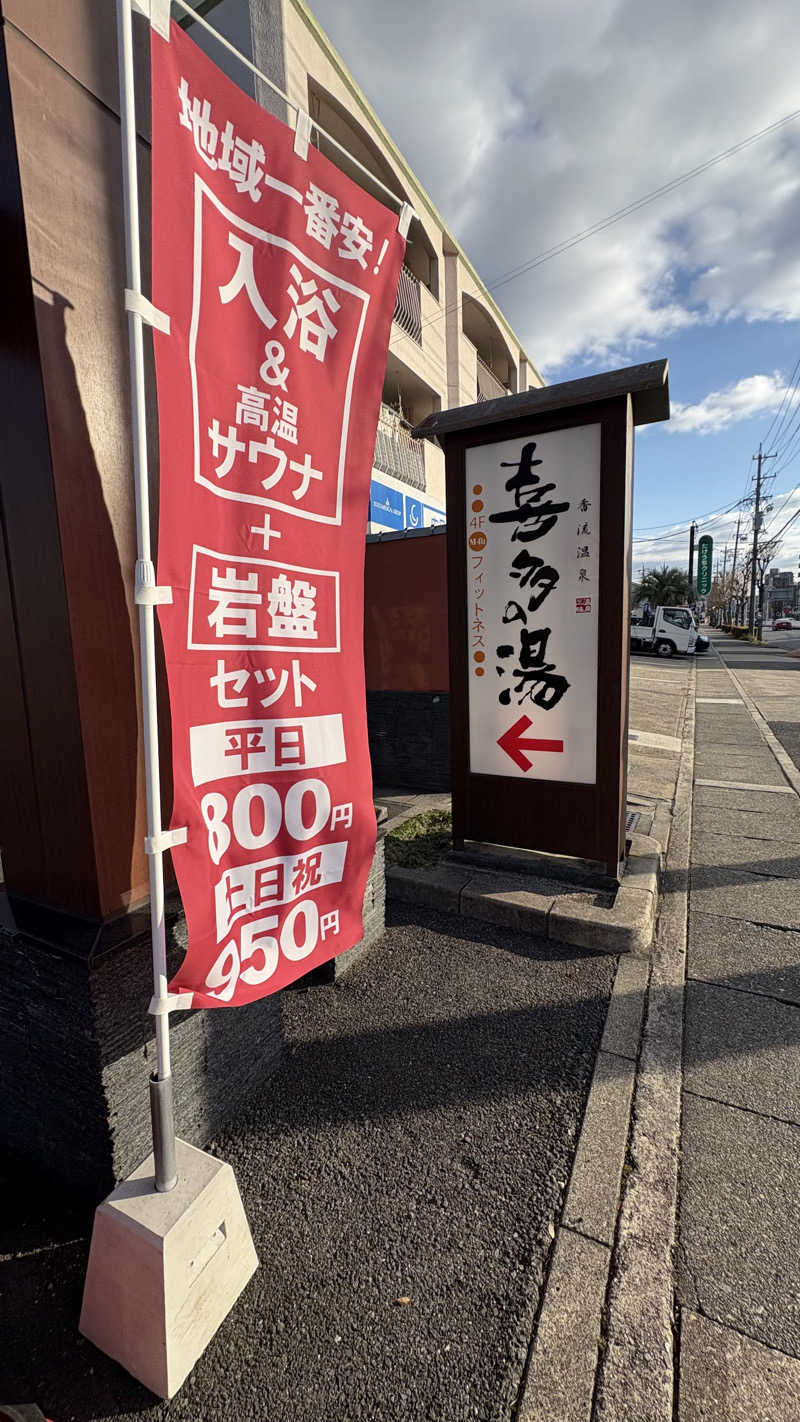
(719, 701)
(742, 785)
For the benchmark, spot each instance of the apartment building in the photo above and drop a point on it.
(451, 344)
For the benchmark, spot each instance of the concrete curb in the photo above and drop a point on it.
(609, 1287)
(622, 923)
(636, 1373)
(559, 1381)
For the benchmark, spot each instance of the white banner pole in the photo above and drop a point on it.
(146, 595)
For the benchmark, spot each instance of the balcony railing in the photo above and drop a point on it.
(408, 306)
(396, 452)
(490, 387)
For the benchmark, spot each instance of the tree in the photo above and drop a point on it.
(663, 587)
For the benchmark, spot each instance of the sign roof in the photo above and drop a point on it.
(647, 384)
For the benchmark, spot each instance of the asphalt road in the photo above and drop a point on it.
(783, 641)
(415, 1145)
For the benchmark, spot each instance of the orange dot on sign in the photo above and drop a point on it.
(478, 489)
(477, 506)
(479, 671)
(480, 656)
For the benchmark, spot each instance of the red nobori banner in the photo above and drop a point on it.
(278, 275)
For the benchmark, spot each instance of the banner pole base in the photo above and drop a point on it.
(161, 1118)
(165, 1270)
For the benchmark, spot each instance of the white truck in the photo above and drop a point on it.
(664, 631)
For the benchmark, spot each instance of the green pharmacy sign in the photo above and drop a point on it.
(705, 549)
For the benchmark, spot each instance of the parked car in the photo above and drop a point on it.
(785, 624)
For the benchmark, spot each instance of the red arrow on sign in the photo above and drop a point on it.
(515, 743)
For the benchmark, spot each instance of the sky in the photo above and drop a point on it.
(528, 123)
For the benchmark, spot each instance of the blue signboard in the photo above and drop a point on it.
(385, 505)
(393, 510)
(413, 513)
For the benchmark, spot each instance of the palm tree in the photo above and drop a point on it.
(663, 587)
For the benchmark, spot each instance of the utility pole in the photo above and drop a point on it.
(692, 532)
(733, 567)
(751, 620)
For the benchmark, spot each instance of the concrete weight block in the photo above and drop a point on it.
(165, 1269)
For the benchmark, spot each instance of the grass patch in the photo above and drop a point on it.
(422, 840)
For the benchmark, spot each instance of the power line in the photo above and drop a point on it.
(670, 523)
(786, 500)
(643, 201)
(569, 242)
(781, 531)
(791, 389)
(783, 439)
(706, 520)
(789, 451)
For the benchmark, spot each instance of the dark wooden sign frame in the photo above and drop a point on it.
(583, 821)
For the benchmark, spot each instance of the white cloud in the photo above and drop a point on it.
(754, 395)
(528, 123)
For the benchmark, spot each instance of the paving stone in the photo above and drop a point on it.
(753, 748)
(761, 789)
(712, 738)
(755, 769)
(725, 1377)
(783, 825)
(659, 713)
(769, 804)
(560, 1380)
(652, 778)
(755, 856)
(709, 737)
(744, 955)
(736, 754)
(743, 1048)
(736, 894)
(721, 720)
(776, 708)
(737, 1261)
(593, 1196)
